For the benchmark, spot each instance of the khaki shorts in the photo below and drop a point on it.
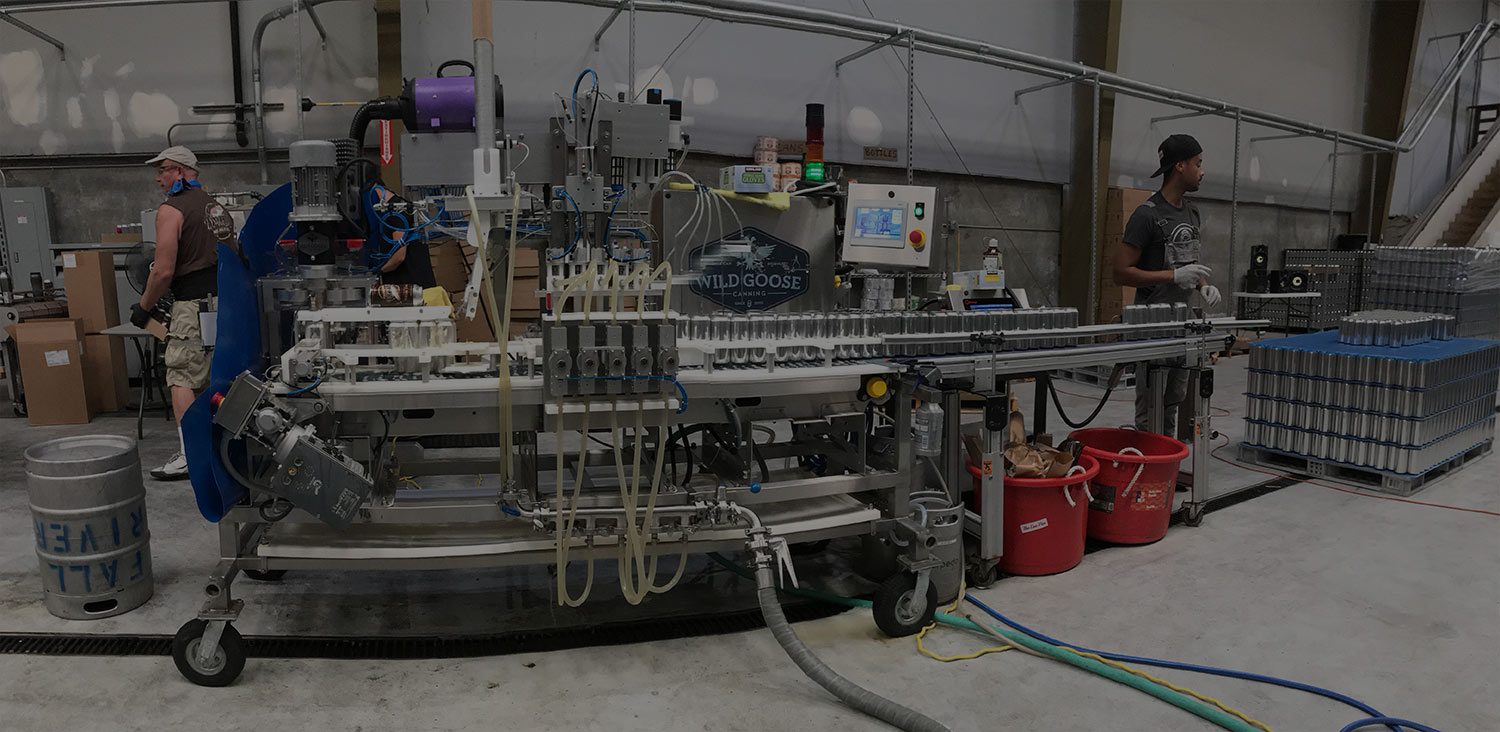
(186, 361)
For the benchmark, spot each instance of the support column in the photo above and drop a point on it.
(1083, 256)
(388, 77)
(1395, 27)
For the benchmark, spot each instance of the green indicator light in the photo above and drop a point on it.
(813, 171)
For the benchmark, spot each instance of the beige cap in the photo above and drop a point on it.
(176, 154)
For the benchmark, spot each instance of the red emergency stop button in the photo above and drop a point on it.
(917, 238)
(216, 399)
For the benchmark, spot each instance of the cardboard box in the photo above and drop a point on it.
(52, 371)
(117, 238)
(748, 178)
(89, 276)
(104, 369)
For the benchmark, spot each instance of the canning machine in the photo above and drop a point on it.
(692, 385)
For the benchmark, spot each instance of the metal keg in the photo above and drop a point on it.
(946, 521)
(88, 515)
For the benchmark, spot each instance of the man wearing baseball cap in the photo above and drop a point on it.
(189, 226)
(1161, 257)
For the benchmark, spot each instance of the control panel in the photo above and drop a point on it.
(889, 225)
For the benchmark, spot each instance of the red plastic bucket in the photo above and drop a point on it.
(1132, 501)
(1045, 520)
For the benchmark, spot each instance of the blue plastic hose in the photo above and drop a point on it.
(1375, 716)
(1388, 721)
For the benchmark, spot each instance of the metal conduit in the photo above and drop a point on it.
(255, 78)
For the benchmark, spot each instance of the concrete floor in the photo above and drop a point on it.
(1392, 603)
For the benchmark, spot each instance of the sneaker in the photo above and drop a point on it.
(174, 469)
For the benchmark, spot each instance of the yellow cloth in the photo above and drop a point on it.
(436, 297)
(778, 201)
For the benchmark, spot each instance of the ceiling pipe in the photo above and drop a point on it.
(870, 30)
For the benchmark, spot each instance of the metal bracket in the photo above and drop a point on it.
(1185, 115)
(1288, 136)
(876, 46)
(5, 16)
(317, 23)
(1050, 84)
(210, 641)
(609, 21)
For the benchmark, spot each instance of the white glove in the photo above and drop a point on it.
(1189, 275)
(1211, 296)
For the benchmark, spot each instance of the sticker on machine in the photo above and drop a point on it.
(749, 270)
(1029, 527)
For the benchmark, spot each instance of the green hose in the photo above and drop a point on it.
(1182, 701)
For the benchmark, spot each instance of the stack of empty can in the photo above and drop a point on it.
(1464, 283)
(1394, 328)
(1338, 278)
(1401, 410)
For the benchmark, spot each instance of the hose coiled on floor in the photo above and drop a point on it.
(847, 691)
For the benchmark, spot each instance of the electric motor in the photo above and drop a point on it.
(314, 166)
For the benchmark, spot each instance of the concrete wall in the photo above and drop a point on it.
(1300, 59)
(1278, 227)
(132, 72)
(1422, 173)
(88, 201)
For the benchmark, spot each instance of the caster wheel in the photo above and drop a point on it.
(265, 575)
(898, 612)
(1192, 518)
(226, 663)
(979, 576)
(810, 548)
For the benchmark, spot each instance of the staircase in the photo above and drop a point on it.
(1476, 210)
(1467, 212)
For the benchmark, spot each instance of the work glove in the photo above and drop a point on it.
(1211, 296)
(1189, 275)
(139, 316)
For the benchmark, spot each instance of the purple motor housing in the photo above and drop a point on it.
(445, 104)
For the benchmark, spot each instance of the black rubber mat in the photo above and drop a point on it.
(410, 647)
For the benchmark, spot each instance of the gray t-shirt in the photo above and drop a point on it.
(1168, 238)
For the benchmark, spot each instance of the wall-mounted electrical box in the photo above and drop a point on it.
(25, 234)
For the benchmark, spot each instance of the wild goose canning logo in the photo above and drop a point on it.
(749, 270)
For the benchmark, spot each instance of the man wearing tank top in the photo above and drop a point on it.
(189, 226)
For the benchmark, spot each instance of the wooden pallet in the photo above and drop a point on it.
(1358, 477)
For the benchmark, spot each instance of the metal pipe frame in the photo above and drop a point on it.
(1049, 85)
(609, 21)
(1094, 180)
(872, 30)
(196, 124)
(1234, 196)
(17, 22)
(1186, 115)
(1264, 138)
(873, 47)
(255, 72)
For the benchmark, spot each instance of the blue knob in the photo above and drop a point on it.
(754, 487)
